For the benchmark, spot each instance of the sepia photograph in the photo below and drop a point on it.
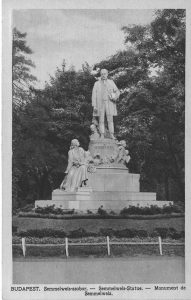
(97, 152)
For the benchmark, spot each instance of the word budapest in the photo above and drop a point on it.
(25, 289)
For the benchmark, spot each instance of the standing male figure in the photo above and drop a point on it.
(104, 96)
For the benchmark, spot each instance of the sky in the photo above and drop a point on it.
(76, 36)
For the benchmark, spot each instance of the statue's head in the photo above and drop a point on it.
(93, 127)
(75, 143)
(122, 143)
(104, 74)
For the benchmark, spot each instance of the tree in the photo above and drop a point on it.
(21, 92)
(162, 45)
(48, 123)
(151, 108)
(21, 64)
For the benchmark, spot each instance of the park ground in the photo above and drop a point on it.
(94, 225)
(131, 270)
(91, 265)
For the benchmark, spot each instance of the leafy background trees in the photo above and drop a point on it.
(150, 73)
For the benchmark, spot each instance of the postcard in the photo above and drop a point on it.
(96, 149)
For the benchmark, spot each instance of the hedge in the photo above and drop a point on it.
(81, 232)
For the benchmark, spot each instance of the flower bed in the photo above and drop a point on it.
(59, 213)
(97, 216)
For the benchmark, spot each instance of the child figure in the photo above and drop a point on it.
(123, 154)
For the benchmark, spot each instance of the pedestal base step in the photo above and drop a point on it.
(84, 205)
(83, 193)
(103, 196)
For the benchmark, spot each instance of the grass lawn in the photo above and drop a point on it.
(92, 225)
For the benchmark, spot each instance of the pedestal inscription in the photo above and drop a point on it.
(105, 148)
(109, 153)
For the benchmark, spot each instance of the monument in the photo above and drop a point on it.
(100, 177)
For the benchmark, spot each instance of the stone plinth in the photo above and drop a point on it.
(67, 200)
(84, 205)
(114, 180)
(80, 194)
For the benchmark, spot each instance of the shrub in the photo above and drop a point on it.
(45, 210)
(22, 233)
(141, 233)
(101, 211)
(14, 229)
(154, 234)
(167, 233)
(69, 212)
(79, 233)
(52, 210)
(131, 210)
(173, 234)
(178, 208)
(58, 211)
(27, 208)
(106, 231)
(162, 231)
(136, 210)
(171, 229)
(15, 211)
(152, 210)
(168, 209)
(40, 233)
(125, 233)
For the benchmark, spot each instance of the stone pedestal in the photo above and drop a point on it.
(111, 186)
(112, 179)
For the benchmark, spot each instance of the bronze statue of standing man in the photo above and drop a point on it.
(104, 96)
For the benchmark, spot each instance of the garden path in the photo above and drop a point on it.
(129, 270)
